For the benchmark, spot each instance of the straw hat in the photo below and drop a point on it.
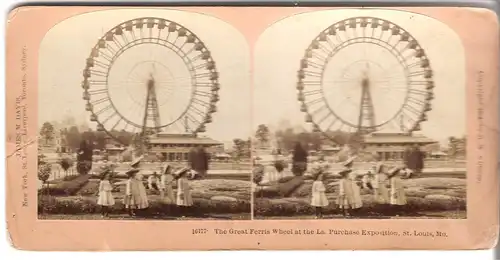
(349, 161)
(182, 171)
(131, 172)
(344, 172)
(137, 161)
(166, 168)
(393, 171)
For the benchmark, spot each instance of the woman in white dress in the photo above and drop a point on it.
(105, 199)
(318, 198)
(184, 198)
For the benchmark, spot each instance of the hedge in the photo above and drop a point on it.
(86, 205)
(66, 188)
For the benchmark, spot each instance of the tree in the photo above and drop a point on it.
(263, 134)
(73, 138)
(457, 146)
(84, 158)
(47, 132)
(66, 163)
(241, 148)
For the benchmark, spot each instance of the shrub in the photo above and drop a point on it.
(65, 163)
(66, 188)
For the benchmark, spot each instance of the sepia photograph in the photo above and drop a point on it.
(251, 128)
(370, 119)
(143, 114)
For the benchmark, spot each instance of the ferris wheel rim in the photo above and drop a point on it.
(212, 83)
(406, 73)
(393, 51)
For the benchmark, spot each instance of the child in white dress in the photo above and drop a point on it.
(318, 198)
(184, 198)
(349, 197)
(166, 190)
(398, 196)
(105, 199)
(135, 193)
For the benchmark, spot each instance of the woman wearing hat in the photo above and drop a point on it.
(166, 180)
(184, 198)
(135, 193)
(398, 196)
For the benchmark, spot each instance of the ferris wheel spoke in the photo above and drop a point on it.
(109, 117)
(99, 101)
(116, 124)
(314, 101)
(418, 92)
(202, 93)
(102, 110)
(98, 91)
(312, 83)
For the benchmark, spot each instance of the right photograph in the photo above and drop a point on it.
(359, 113)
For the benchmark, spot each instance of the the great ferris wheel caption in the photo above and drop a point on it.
(195, 114)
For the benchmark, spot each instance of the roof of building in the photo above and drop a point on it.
(387, 138)
(166, 138)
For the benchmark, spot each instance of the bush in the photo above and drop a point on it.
(88, 205)
(66, 188)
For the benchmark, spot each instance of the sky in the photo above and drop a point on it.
(67, 45)
(280, 48)
(277, 54)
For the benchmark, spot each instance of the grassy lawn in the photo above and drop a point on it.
(434, 197)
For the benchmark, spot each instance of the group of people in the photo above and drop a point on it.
(136, 197)
(384, 183)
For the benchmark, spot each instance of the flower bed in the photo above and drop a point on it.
(66, 187)
(425, 194)
(295, 206)
(88, 205)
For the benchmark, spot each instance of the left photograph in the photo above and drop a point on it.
(143, 115)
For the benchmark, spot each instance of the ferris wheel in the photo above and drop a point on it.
(365, 74)
(150, 75)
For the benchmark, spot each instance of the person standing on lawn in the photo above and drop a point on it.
(184, 198)
(349, 199)
(318, 198)
(379, 183)
(398, 196)
(135, 193)
(105, 199)
(166, 190)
